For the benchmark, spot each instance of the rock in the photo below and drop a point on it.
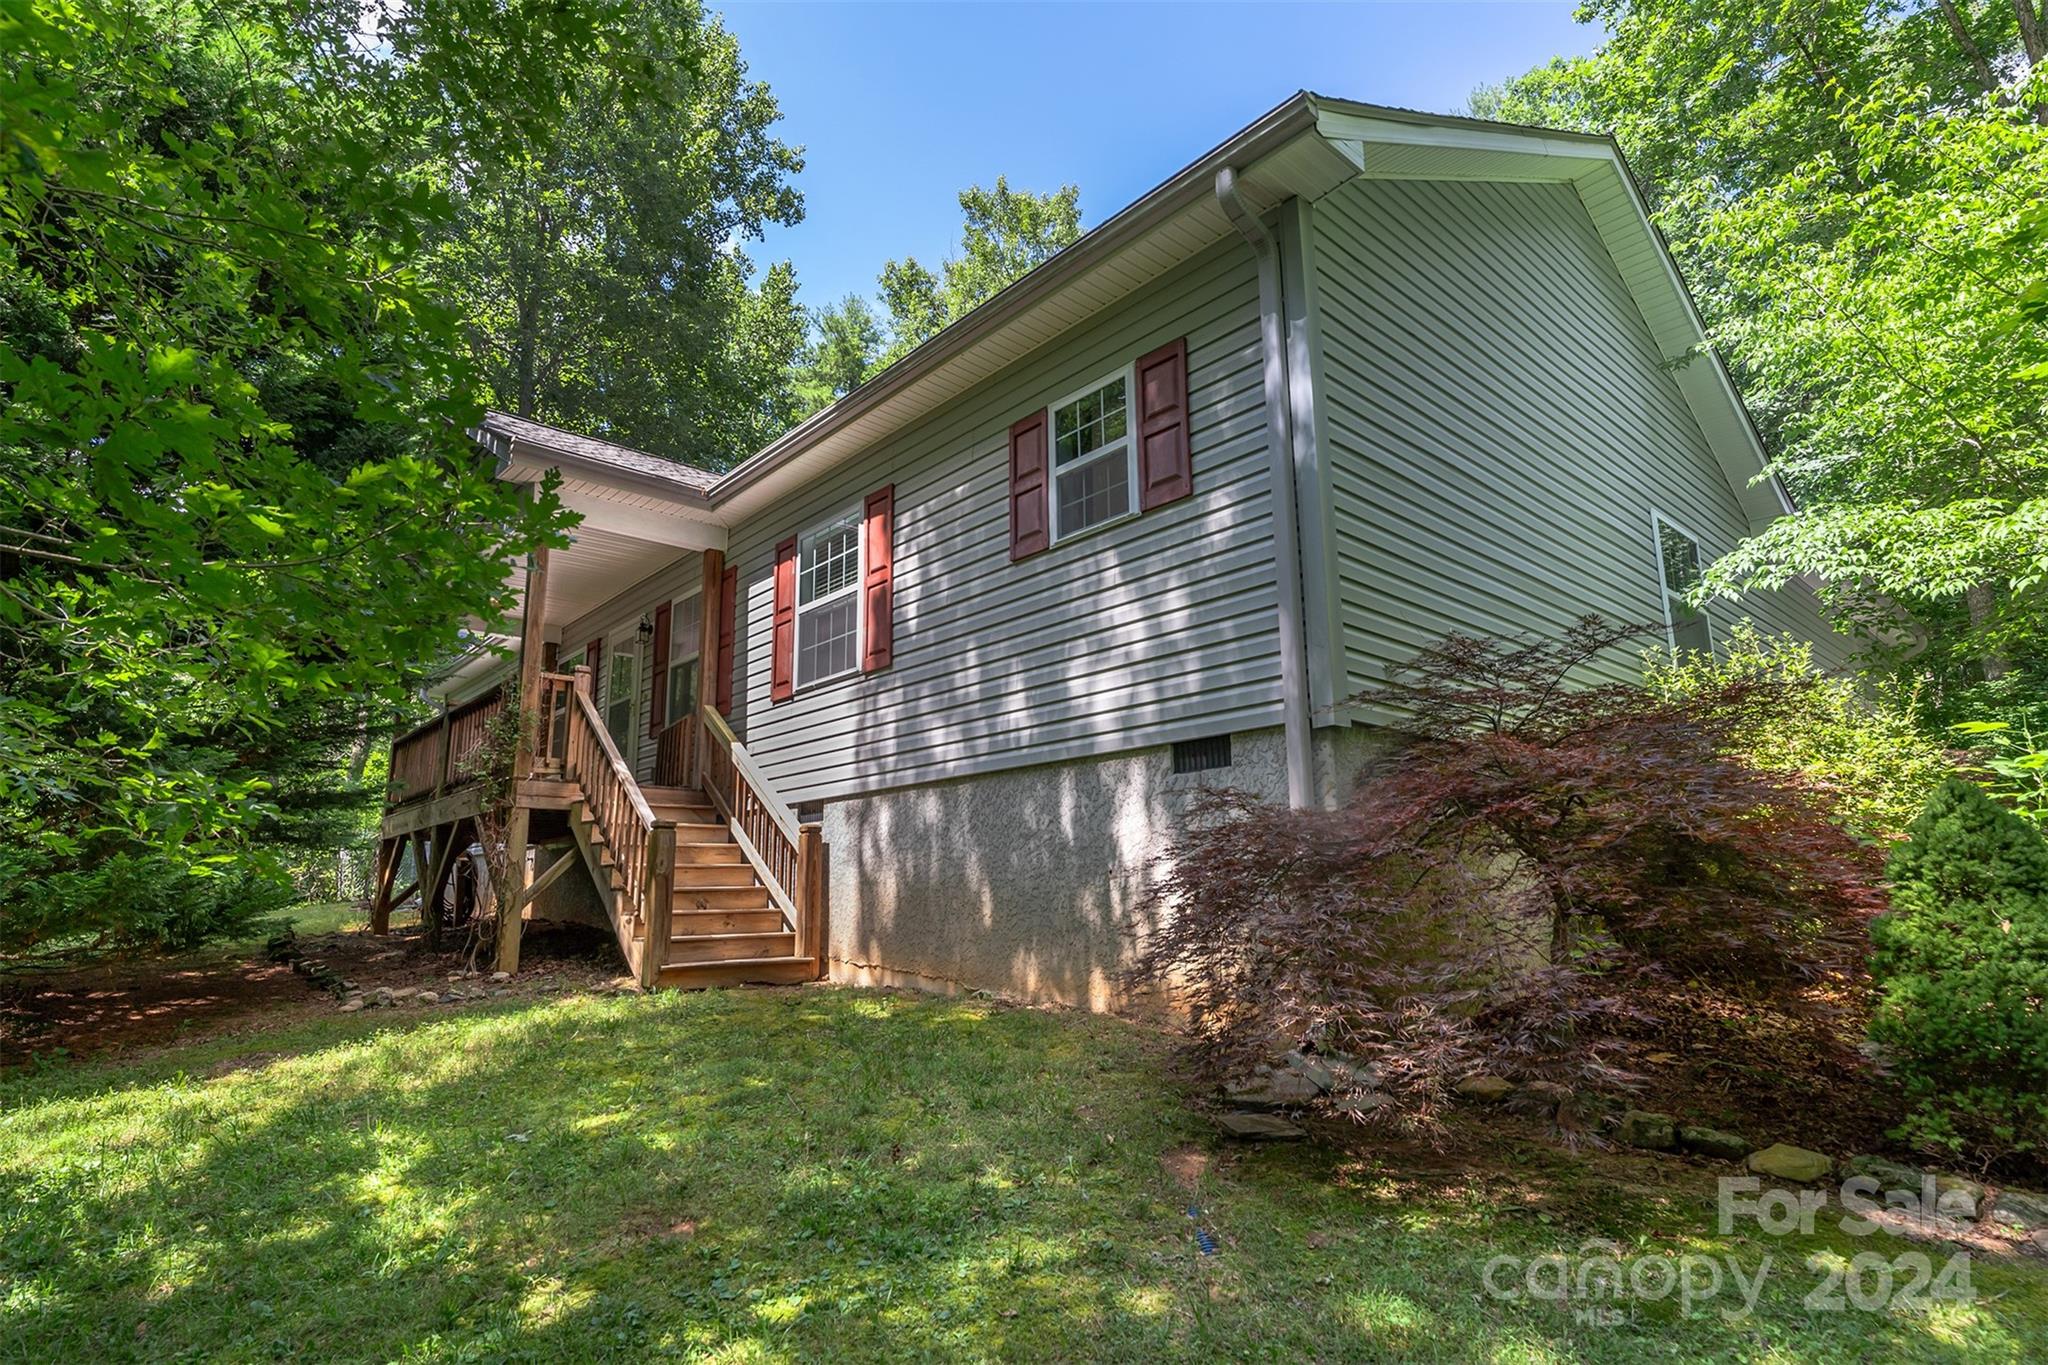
(1958, 1197)
(1246, 1126)
(1639, 1128)
(381, 996)
(351, 1005)
(1358, 1104)
(1271, 1090)
(1890, 1175)
(1486, 1089)
(1787, 1162)
(2018, 1209)
(501, 976)
(428, 998)
(1713, 1142)
(1311, 1070)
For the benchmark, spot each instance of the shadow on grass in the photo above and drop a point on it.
(757, 1174)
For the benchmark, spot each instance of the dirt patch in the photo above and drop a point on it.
(1186, 1166)
(135, 1004)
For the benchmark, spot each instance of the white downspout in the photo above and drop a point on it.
(1294, 707)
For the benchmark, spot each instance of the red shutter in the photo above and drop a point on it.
(878, 578)
(657, 697)
(728, 600)
(1164, 473)
(782, 651)
(1030, 528)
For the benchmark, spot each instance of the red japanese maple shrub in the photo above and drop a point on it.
(1520, 862)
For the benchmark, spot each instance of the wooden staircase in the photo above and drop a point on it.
(710, 885)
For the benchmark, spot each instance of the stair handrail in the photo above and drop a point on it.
(637, 839)
(788, 854)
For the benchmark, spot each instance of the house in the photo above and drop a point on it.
(917, 693)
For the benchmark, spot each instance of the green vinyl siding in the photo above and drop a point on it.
(1159, 627)
(1498, 426)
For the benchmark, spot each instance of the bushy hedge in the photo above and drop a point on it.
(1961, 963)
(1859, 744)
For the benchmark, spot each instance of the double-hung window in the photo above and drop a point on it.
(1093, 456)
(1678, 573)
(828, 600)
(685, 642)
(622, 688)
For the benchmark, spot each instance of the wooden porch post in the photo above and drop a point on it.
(532, 627)
(810, 892)
(709, 663)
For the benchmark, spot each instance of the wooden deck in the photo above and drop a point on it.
(706, 874)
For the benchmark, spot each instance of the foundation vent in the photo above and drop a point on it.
(1201, 755)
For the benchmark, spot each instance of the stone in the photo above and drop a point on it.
(352, 1004)
(1713, 1142)
(2019, 1209)
(501, 976)
(1271, 1090)
(1358, 1104)
(1786, 1162)
(1959, 1197)
(404, 992)
(1246, 1126)
(428, 998)
(1640, 1128)
(1311, 1070)
(1486, 1089)
(1889, 1175)
(381, 996)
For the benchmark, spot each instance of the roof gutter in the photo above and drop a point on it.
(1284, 122)
(1294, 700)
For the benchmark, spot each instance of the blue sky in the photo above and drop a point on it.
(900, 106)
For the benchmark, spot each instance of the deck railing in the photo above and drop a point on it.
(788, 854)
(675, 754)
(440, 754)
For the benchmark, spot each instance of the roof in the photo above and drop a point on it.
(1305, 146)
(540, 438)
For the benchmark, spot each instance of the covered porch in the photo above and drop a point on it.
(585, 739)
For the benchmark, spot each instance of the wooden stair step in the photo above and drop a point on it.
(726, 854)
(710, 876)
(727, 947)
(740, 972)
(703, 834)
(690, 923)
(719, 898)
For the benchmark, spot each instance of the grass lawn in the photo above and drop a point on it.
(822, 1174)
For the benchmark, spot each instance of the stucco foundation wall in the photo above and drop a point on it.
(1027, 883)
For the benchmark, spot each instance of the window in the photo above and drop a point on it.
(622, 687)
(569, 663)
(828, 601)
(1678, 573)
(1092, 456)
(685, 640)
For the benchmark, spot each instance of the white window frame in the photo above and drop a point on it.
(1659, 523)
(856, 514)
(629, 744)
(695, 655)
(1129, 374)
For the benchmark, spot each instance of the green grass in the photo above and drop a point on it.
(816, 1174)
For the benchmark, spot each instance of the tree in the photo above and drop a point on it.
(239, 497)
(1527, 858)
(843, 351)
(1007, 234)
(1962, 970)
(601, 272)
(1854, 192)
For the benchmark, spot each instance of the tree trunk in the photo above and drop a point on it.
(1983, 603)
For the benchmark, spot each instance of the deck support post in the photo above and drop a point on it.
(810, 894)
(532, 644)
(420, 855)
(446, 840)
(388, 851)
